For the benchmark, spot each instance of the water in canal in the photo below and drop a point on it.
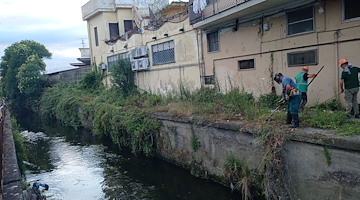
(77, 166)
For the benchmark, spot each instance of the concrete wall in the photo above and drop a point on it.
(162, 79)
(11, 172)
(306, 169)
(68, 76)
(332, 37)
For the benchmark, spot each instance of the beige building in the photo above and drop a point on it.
(163, 49)
(245, 42)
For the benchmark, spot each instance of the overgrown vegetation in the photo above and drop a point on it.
(239, 176)
(19, 145)
(194, 142)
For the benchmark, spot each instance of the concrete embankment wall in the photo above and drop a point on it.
(317, 163)
(11, 177)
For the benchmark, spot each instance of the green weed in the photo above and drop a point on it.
(327, 155)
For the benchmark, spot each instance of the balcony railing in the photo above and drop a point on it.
(213, 9)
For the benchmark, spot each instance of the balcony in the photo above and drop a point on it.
(93, 7)
(222, 11)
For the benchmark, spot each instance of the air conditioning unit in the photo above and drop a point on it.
(143, 63)
(133, 53)
(139, 52)
(142, 51)
(134, 65)
(103, 66)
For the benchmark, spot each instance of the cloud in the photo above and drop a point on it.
(56, 24)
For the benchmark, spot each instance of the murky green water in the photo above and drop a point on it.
(77, 166)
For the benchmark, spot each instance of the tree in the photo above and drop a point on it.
(123, 77)
(27, 53)
(31, 81)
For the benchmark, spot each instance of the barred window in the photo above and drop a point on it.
(302, 58)
(209, 80)
(111, 60)
(213, 41)
(351, 9)
(246, 64)
(300, 21)
(163, 53)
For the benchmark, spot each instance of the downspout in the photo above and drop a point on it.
(200, 57)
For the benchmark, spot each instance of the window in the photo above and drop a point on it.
(163, 53)
(302, 58)
(128, 25)
(111, 60)
(209, 80)
(300, 21)
(351, 9)
(96, 37)
(246, 64)
(114, 30)
(213, 41)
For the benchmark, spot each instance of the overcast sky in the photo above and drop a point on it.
(56, 24)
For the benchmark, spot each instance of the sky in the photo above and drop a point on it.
(58, 25)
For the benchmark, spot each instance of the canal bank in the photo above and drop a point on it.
(303, 163)
(11, 172)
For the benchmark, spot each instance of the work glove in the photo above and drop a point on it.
(282, 101)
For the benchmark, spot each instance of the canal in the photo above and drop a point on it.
(78, 166)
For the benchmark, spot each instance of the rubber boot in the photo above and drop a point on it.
(296, 123)
(288, 118)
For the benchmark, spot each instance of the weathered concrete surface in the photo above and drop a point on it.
(12, 177)
(310, 177)
(306, 168)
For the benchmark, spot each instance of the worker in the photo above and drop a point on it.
(291, 95)
(350, 79)
(302, 84)
(35, 190)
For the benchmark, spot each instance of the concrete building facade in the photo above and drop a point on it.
(163, 50)
(245, 42)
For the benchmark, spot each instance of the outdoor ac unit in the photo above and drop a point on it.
(139, 52)
(133, 53)
(134, 65)
(142, 51)
(143, 63)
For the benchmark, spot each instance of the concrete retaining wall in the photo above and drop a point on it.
(12, 177)
(310, 174)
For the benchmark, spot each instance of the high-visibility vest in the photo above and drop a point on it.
(301, 83)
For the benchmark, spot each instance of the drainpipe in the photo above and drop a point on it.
(337, 35)
(200, 56)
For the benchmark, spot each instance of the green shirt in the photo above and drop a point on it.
(301, 82)
(351, 80)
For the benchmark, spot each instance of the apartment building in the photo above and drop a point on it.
(245, 42)
(156, 37)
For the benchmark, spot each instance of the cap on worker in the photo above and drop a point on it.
(306, 68)
(343, 61)
(277, 77)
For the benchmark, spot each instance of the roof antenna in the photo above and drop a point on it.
(82, 42)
